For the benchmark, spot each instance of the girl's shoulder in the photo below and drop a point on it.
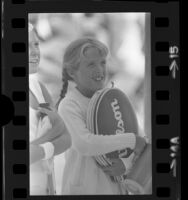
(74, 101)
(69, 104)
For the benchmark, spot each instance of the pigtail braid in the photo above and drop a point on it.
(65, 86)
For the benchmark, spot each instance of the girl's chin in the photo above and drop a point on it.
(32, 68)
(99, 85)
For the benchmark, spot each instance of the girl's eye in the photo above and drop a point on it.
(104, 63)
(34, 45)
(91, 65)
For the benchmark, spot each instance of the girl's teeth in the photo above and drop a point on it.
(34, 61)
(98, 79)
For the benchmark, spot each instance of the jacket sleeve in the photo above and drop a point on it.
(87, 143)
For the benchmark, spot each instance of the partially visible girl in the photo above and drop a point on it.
(52, 138)
(84, 66)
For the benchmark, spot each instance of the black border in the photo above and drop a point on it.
(15, 137)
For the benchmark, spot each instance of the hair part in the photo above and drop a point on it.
(72, 57)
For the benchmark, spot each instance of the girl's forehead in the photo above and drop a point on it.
(92, 53)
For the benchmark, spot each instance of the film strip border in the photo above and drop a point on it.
(166, 109)
(165, 98)
(15, 80)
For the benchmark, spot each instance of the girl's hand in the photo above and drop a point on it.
(52, 114)
(140, 145)
(117, 168)
(36, 153)
(57, 129)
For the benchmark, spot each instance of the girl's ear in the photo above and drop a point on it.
(70, 72)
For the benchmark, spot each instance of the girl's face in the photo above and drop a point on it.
(91, 73)
(34, 52)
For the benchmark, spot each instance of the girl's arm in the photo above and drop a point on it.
(36, 153)
(86, 142)
(58, 135)
(60, 144)
(51, 134)
(57, 128)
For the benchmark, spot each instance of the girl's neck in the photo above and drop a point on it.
(87, 94)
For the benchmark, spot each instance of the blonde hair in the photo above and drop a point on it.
(73, 55)
(30, 27)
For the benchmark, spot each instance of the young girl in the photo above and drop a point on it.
(41, 149)
(85, 65)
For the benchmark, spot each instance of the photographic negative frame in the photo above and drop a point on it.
(165, 90)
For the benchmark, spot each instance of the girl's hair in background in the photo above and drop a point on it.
(30, 27)
(72, 57)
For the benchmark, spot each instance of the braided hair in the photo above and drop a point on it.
(72, 57)
(64, 88)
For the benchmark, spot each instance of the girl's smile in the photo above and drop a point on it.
(34, 52)
(91, 73)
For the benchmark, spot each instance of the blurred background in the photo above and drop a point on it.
(123, 33)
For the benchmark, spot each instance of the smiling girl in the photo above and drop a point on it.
(42, 149)
(84, 65)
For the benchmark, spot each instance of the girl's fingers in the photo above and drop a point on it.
(99, 164)
(113, 161)
(110, 173)
(51, 114)
(106, 169)
(44, 110)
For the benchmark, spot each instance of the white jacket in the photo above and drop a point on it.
(40, 170)
(81, 174)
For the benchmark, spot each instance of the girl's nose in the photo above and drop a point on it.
(99, 68)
